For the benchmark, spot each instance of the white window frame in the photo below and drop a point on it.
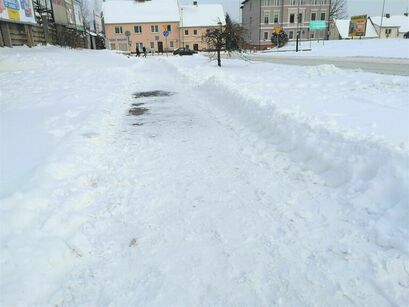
(137, 29)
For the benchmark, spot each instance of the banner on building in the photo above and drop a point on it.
(79, 23)
(357, 26)
(98, 23)
(17, 10)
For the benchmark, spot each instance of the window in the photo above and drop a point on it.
(291, 35)
(186, 32)
(293, 2)
(292, 18)
(299, 18)
(276, 17)
(187, 46)
(139, 46)
(313, 16)
(312, 35)
(266, 18)
(251, 19)
(137, 29)
(118, 30)
(169, 28)
(171, 44)
(322, 16)
(195, 32)
(265, 35)
(113, 47)
(154, 29)
(152, 45)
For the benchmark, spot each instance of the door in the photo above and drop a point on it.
(160, 47)
(196, 47)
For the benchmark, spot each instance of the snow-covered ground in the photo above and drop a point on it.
(384, 48)
(250, 185)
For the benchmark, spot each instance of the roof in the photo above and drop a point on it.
(400, 21)
(343, 28)
(202, 15)
(131, 11)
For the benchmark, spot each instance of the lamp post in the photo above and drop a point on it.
(383, 11)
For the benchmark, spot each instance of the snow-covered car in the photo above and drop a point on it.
(184, 51)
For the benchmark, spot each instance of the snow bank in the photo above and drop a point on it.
(385, 48)
(373, 175)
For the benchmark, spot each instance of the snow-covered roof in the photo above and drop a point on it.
(343, 28)
(132, 11)
(400, 21)
(202, 15)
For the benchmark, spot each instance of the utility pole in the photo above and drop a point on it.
(259, 30)
(298, 24)
(383, 11)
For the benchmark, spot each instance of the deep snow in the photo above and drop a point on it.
(382, 48)
(252, 185)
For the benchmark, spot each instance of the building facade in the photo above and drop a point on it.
(260, 18)
(132, 24)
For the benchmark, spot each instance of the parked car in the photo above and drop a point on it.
(184, 51)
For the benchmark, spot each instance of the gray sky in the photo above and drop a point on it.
(355, 7)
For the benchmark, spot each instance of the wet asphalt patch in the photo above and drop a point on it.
(139, 108)
(157, 93)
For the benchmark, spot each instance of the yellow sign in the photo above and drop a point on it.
(14, 14)
(357, 26)
(165, 27)
(277, 29)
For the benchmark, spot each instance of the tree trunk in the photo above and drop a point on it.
(219, 61)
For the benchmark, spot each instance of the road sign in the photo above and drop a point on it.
(165, 33)
(318, 25)
(277, 29)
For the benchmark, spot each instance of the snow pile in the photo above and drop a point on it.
(372, 176)
(384, 48)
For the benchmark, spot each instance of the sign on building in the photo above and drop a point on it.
(98, 23)
(60, 12)
(318, 25)
(17, 10)
(357, 26)
(79, 23)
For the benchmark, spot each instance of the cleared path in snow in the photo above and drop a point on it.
(370, 64)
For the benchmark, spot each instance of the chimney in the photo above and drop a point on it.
(406, 14)
(195, 3)
(388, 15)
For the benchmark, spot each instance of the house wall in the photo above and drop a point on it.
(394, 31)
(191, 39)
(147, 38)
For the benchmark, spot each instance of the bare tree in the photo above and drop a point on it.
(229, 37)
(338, 9)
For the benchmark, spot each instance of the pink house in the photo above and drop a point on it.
(132, 24)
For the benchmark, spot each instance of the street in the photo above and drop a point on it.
(388, 66)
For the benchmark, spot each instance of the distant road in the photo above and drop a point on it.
(389, 66)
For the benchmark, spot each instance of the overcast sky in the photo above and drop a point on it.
(355, 7)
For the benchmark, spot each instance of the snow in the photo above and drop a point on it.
(123, 11)
(252, 185)
(343, 28)
(202, 15)
(400, 21)
(383, 48)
